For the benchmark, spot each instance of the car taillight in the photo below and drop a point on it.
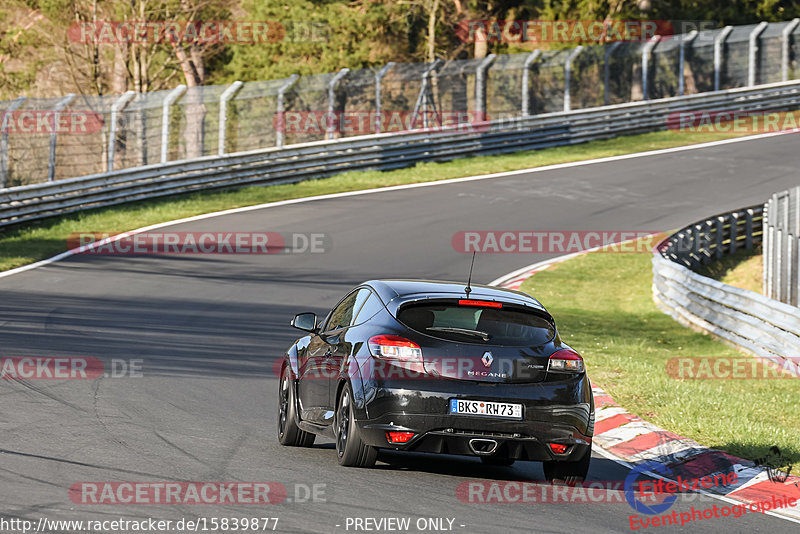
(394, 348)
(558, 448)
(399, 437)
(565, 361)
(482, 303)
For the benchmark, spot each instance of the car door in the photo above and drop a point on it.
(315, 367)
(367, 304)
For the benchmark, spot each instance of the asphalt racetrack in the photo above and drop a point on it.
(207, 329)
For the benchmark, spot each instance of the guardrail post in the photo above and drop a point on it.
(607, 70)
(279, 105)
(568, 76)
(752, 53)
(51, 168)
(332, 97)
(526, 77)
(378, 77)
(688, 39)
(734, 232)
(118, 106)
(4, 139)
(720, 228)
(480, 86)
(226, 95)
(719, 40)
(646, 51)
(165, 108)
(786, 38)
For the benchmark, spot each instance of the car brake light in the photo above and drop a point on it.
(565, 361)
(558, 448)
(394, 347)
(483, 303)
(399, 437)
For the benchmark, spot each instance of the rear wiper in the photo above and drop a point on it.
(474, 333)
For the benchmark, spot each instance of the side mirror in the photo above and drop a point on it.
(306, 322)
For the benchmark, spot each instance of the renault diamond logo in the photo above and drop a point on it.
(487, 359)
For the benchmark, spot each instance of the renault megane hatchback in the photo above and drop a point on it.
(441, 368)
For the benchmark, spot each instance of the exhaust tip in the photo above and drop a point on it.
(482, 447)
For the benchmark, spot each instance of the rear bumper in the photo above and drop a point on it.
(553, 412)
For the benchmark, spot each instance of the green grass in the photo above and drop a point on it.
(743, 269)
(603, 305)
(31, 242)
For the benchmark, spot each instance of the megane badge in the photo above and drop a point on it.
(487, 359)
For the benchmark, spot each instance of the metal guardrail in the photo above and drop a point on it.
(744, 319)
(781, 245)
(382, 151)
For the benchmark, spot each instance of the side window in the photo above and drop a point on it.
(342, 315)
(371, 306)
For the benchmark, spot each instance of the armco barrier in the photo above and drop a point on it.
(744, 319)
(382, 151)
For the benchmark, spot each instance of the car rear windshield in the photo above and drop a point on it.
(471, 324)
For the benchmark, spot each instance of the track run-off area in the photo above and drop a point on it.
(194, 339)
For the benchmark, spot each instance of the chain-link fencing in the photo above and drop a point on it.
(56, 138)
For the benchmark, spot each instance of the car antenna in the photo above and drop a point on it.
(468, 289)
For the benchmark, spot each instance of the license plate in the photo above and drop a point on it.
(485, 408)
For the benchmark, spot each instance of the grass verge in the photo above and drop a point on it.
(24, 244)
(603, 304)
(743, 269)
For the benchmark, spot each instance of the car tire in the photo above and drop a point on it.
(289, 434)
(568, 473)
(500, 461)
(350, 450)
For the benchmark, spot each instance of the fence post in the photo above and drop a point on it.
(226, 95)
(378, 77)
(568, 76)
(719, 40)
(118, 106)
(791, 297)
(165, 108)
(526, 77)
(279, 108)
(422, 100)
(752, 53)
(332, 97)
(60, 105)
(607, 70)
(786, 37)
(688, 39)
(480, 86)
(4, 140)
(779, 261)
(646, 50)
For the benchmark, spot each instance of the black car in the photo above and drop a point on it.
(438, 367)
